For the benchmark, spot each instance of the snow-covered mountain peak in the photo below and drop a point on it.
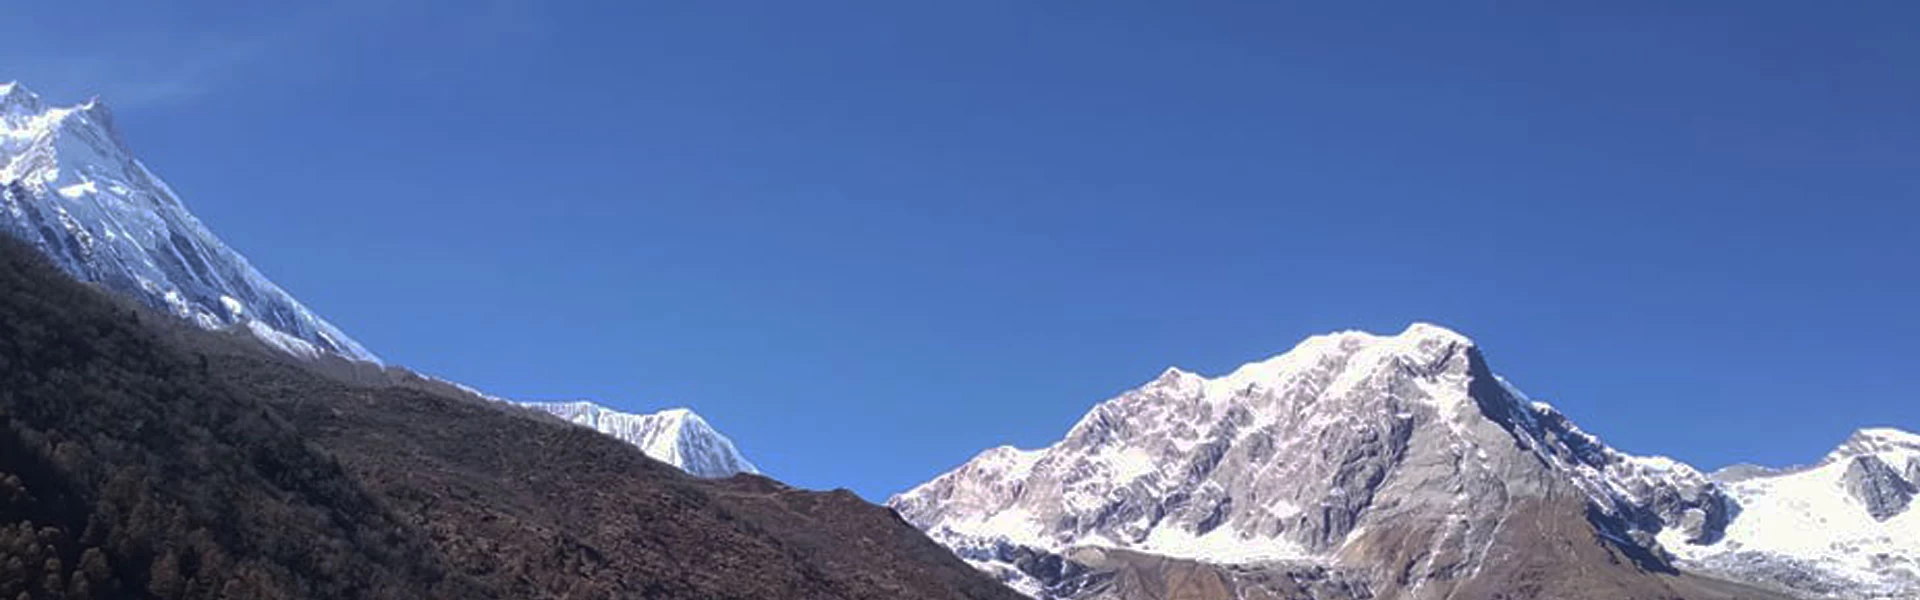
(1894, 443)
(1301, 455)
(1415, 337)
(1175, 374)
(1331, 365)
(680, 416)
(70, 186)
(1332, 452)
(1177, 381)
(15, 96)
(27, 117)
(683, 423)
(1421, 330)
(1417, 340)
(676, 436)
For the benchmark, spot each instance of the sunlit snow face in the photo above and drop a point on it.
(73, 189)
(1215, 444)
(678, 436)
(1809, 517)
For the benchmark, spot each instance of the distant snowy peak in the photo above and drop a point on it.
(1318, 454)
(70, 186)
(678, 436)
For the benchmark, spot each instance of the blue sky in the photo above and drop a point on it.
(870, 240)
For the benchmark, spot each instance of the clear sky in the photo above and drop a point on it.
(868, 241)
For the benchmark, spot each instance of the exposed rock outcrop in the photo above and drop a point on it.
(1877, 487)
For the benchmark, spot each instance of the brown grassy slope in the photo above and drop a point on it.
(538, 508)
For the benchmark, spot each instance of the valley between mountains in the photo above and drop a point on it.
(178, 426)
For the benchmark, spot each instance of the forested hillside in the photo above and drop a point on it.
(142, 459)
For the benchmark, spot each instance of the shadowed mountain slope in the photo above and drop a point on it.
(143, 458)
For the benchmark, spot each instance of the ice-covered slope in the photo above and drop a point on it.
(70, 186)
(1844, 527)
(1401, 456)
(675, 436)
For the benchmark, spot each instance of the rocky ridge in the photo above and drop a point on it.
(1399, 465)
(1401, 456)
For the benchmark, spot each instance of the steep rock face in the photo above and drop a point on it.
(70, 187)
(1403, 456)
(676, 436)
(1878, 488)
(1842, 527)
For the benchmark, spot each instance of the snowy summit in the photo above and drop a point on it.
(1355, 450)
(70, 186)
(677, 436)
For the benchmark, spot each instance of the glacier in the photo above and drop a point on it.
(1818, 529)
(70, 186)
